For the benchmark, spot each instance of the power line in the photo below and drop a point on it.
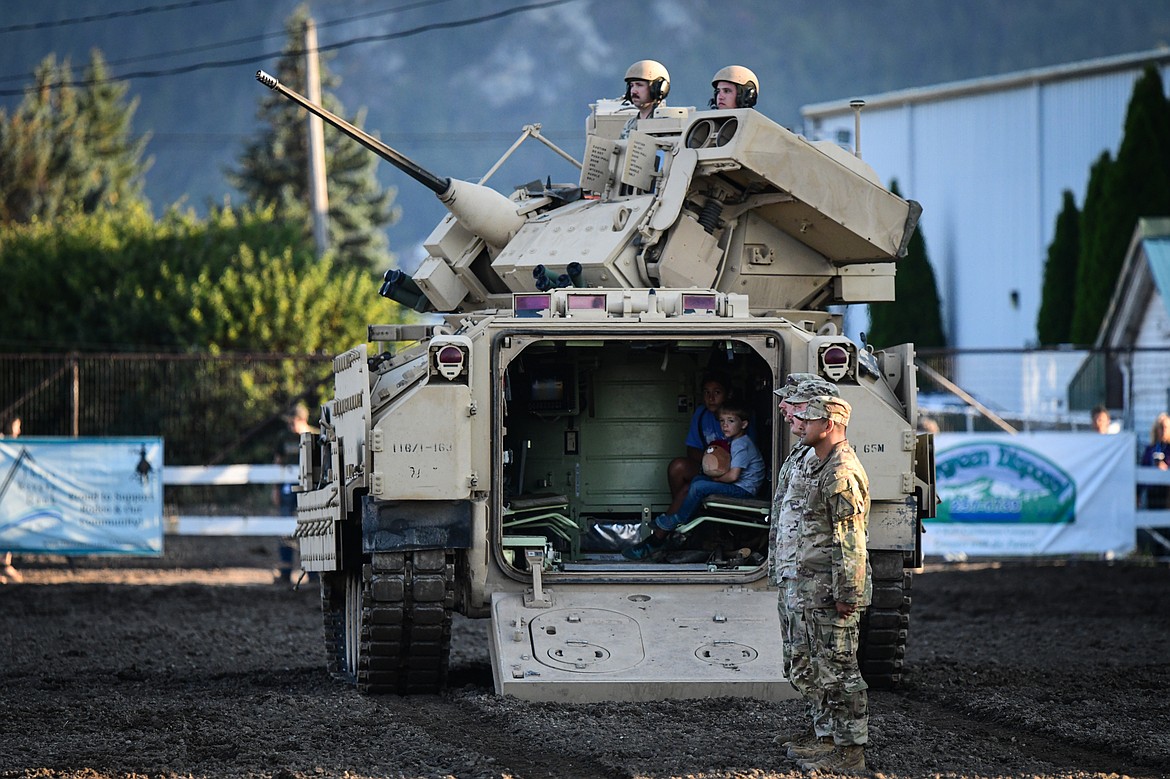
(251, 38)
(216, 64)
(445, 25)
(111, 15)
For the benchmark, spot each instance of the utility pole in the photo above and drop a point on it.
(317, 189)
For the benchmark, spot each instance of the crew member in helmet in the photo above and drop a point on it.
(647, 85)
(735, 87)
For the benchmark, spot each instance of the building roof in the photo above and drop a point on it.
(1146, 269)
(975, 86)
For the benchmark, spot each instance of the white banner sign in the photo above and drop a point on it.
(1033, 494)
(80, 496)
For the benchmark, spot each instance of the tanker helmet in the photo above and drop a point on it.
(747, 86)
(652, 72)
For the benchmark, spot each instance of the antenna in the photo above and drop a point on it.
(857, 104)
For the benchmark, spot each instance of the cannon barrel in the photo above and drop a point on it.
(437, 184)
(481, 210)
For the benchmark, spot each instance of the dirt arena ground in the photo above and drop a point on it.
(197, 665)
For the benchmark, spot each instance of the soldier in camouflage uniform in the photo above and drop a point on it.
(787, 409)
(834, 585)
(787, 502)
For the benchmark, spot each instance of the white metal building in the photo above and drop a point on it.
(1139, 317)
(988, 159)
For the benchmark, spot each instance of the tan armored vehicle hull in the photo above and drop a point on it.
(497, 464)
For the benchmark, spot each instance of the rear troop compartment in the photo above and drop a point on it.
(589, 423)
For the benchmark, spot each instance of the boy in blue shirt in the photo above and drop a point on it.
(741, 479)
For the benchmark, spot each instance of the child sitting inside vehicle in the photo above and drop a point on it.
(741, 479)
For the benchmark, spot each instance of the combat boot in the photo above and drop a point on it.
(839, 759)
(799, 737)
(813, 749)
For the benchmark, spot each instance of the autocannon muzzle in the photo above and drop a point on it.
(480, 209)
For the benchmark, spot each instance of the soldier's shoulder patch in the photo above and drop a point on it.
(843, 504)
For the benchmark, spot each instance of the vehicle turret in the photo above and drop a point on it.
(726, 200)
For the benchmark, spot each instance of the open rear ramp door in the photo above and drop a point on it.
(626, 644)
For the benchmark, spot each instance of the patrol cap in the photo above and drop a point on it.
(812, 388)
(826, 407)
(791, 383)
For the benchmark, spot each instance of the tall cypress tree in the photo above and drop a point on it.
(914, 315)
(1137, 184)
(1087, 294)
(1054, 321)
(274, 167)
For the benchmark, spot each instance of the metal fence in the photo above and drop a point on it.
(208, 408)
(976, 390)
(229, 408)
(215, 409)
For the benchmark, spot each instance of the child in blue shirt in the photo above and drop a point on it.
(742, 479)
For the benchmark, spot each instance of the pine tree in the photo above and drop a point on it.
(1054, 321)
(39, 153)
(274, 168)
(914, 314)
(117, 166)
(1137, 184)
(66, 149)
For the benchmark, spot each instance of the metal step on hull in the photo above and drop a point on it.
(620, 644)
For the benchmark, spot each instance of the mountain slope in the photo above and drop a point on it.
(454, 95)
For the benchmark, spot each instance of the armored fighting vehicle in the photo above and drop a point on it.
(495, 462)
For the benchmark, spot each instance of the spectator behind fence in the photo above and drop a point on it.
(1158, 497)
(1102, 423)
(8, 573)
(283, 496)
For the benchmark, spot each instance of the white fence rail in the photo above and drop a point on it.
(227, 475)
(1151, 521)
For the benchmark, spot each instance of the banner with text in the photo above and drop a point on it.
(79, 496)
(1033, 494)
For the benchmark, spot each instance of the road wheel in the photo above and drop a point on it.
(341, 598)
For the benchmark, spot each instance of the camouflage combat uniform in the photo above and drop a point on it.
(632, 122)
(782, 533)
(792, 488)
(792, 492)
(798, 388)
(833, 565)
